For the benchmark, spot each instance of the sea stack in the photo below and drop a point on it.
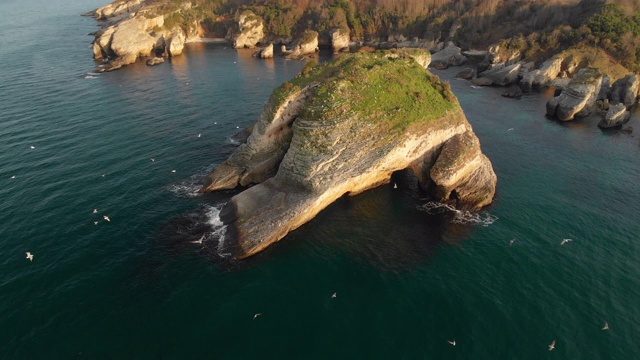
(343, 128)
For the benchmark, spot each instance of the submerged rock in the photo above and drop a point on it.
(155, 61)
(340, 129)
(265, 52)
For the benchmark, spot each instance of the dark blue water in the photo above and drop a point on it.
(407, 279)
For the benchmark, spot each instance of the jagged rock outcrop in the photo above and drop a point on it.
(503, 76)
(175, 44)
(265, 52)
(547, 72)
(625, 90)
(306, 44)
(449, 56)
(342, 128)
(615, 116)
(340, 39)
(579, 96)
(251, 30)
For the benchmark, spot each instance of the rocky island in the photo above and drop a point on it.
(343, 128)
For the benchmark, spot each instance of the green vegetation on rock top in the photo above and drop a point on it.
(389, 92)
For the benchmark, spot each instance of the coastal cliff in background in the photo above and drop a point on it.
(340, 129)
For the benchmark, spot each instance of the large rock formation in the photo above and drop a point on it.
(305, 45)
(129, 35)
(449, 56)
(265, 52)
(118, 8)
(340, 129)
(547, 72)
(578, 97)
(501, 76)
(615, 116)
(251, 30)
(498, 57)
(340, 39)
(625, 90)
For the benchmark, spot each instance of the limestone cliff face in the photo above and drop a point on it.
(625, 90)
(578, 97)
(343, 128)
(251, 30)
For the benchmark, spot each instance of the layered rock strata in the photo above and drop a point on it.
(343, 128)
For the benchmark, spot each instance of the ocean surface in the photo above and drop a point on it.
(409, 275)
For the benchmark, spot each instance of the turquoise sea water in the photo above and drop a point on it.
(408, 279)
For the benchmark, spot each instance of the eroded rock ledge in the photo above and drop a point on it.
(343, 128)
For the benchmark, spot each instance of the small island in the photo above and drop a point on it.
(342, 128)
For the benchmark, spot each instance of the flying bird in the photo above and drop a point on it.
(395, 186)
(152, 159)
(199, 241)
(95, 211)
(29, 256)
(564, 241)
(32, 147)
(95, 223)
(12, 177)
(256, 316)
(173, 171)
(512, 241)
(334, 295)
(199, 135)
(452, 342)
(107, 218)
(553, 345)
(606, 326)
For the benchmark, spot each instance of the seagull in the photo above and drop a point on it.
(199, 241)
(29, 256)
(606, 326)
(199, 135)
(215, 123)
(237, 127)
(152, 159)
(95, 211)
(106, 218)
(256, 316)
(510, 129)
(395, 186)
(452, 342)
(95, 223)
(564, 241)
(103, 175)
(553, 345)
(13, 177)
(512, 241)
(173, 171)
(334, 295)
(32, 147)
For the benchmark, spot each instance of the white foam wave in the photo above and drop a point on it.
(219, 229)
(234, 142)
(90, 77)
(93, 73)
(185, 189)
(465, 217)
